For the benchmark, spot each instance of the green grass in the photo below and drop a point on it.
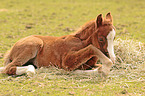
(62, 17)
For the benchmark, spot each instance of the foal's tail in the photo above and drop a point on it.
(7, 58)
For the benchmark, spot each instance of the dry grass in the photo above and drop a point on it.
(130, 60)
(129, 54)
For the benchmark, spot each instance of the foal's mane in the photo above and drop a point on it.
(86, 30)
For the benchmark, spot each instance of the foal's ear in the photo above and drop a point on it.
(99, 20)
(109, 16)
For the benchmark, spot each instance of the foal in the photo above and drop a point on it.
(81, 51)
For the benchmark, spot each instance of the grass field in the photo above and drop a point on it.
(21, 18)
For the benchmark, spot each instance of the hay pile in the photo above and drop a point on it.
(129, 53)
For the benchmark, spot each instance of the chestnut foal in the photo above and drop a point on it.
(79, 52)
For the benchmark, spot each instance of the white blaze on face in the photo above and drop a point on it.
(110, 48)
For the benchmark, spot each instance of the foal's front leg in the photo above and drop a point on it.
(73, 60)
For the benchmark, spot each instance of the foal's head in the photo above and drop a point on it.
(104, 35)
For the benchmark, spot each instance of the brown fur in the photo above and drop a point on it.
(70, 52)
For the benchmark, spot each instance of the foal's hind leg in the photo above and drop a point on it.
(21, 59)
(23, 51)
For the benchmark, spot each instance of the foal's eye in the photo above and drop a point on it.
(101, 39)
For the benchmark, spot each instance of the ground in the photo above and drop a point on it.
(21, 18)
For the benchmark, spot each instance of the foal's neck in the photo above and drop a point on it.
(84, 34)
(86, 30)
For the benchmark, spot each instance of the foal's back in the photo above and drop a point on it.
(45, 50)
(54, 49)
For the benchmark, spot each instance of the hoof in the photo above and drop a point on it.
(103, 71)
